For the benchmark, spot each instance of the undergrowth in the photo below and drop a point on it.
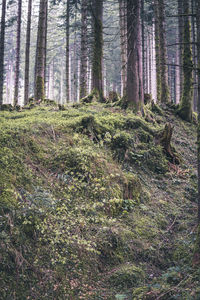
(91, 208)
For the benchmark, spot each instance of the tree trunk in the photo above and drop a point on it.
(180, 37)
(83, 67)
(67, 54)
(198, 142)
(40, 63)
(185, 110)
(97, 59)
(2, 47)
(45, 50)
(196, 258)
(123, 37)
(27, 54)
(157, 48)
(135, 95)
(17, 63)
(165, 95)
(193, 7)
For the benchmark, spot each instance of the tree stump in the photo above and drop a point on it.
(165, 141)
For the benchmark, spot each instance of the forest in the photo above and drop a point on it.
(100, 149)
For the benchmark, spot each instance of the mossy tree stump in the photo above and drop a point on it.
(165, 141)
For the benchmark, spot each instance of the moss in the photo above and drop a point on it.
(196, 256)
(6, 107)
(127, 276)
(147, 98)
(156, 108)
(154, 159)
(113, 97)
(140, 292)
(40, 95)
(137, 122)
(132, 187)
(120, 143)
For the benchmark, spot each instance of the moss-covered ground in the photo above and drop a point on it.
(92, 208)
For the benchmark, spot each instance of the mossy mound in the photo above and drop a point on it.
(93, 208)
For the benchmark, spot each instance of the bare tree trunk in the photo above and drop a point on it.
(27, 54)
(135, 95)
(45, 51)
(185, 110)
(97, 61)
(67, 54)
(2, 47)
(40, 63)
(17, 63)
(75, 67)
(198, 141)
(165, 95)
(196, 257)
(194, 54)
(83, 67)
(157, 47)
(123, 37)
(180, 37)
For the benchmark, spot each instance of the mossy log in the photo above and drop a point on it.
(6, 107)
(165, 141)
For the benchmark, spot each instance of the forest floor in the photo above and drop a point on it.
(93, 208)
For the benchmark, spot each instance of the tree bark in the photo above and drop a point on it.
(17, 63)
(67, 53)
(40, 63)
(198, 74)
(83, 66)
(2, 49)
(165, 95)
(180, 37)
(97, 59)
(157, 48)
(135, 95)
(185, 110)
(27, 54)
(123, 38)
(196, 257)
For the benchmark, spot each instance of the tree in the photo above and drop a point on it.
(83, 67)
(134, 92)
(123, 38)
(198, 142)
(67, 51)
(180, 37)
(40, 52)
(2, 46)
(196, 257)
(18, 44)
(157, 48)
(165, 96)
(97, 59)
(185, 110)
(27, 54)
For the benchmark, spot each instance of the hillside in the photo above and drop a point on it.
(93, 208)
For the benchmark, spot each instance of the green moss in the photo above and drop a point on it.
(40, 95)
(137, 122)
(127, 276)
(120, 143)
(6, 107)
(154, 159)
(132, 187)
